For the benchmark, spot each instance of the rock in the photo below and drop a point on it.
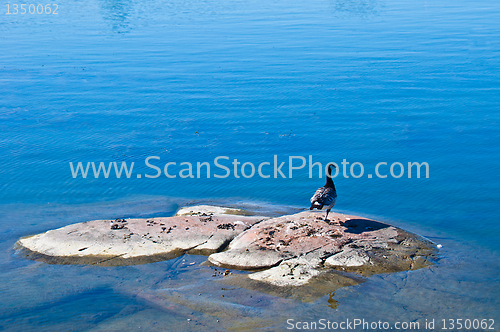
(210, 210)
(299, 247)
(245, 260)
(295, 250)
(136, 241)
(347, 257)
(282, 281)
(292, 272)
(282, 238)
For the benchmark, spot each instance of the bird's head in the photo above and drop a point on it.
(330, 170)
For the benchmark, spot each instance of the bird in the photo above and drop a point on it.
(326, 195)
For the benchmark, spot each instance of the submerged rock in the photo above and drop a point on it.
(137, 241)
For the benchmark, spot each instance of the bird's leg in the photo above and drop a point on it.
(327, 211)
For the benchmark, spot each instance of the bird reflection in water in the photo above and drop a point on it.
(332, 303)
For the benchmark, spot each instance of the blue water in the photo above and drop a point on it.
(361, 80)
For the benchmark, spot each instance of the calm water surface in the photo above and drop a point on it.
(366, 81)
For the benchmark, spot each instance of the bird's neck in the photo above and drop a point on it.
(329, 183)
(329, 180)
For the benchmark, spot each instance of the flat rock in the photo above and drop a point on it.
(137, 241)
(296, 248)
(284, 238)
(291, 272)
(210, 210)
(288, 251)
(348, 257)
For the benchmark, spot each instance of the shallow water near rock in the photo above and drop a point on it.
(187, 293)
(367, 81)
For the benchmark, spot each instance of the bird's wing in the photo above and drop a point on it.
(324, 196)
(330, 200)
(317, 195)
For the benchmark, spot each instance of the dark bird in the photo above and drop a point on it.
(326, 195)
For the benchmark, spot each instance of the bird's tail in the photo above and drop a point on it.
(316, 205)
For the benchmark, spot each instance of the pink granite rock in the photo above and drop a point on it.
(304, 241)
